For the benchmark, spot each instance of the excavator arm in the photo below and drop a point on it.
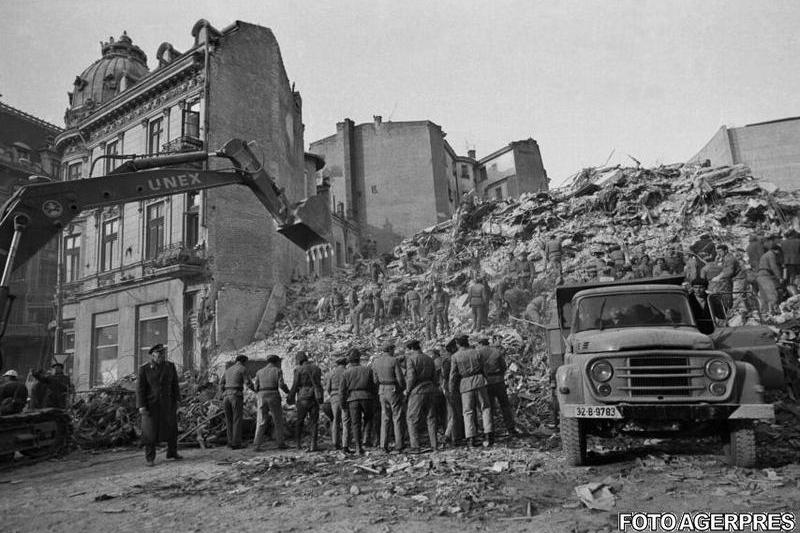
(37, 212)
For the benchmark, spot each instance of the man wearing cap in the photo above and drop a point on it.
(454, 427)
(231, 386)
(478, 300)
(441, 301)
(157, 396)
(341, 415)
(357, 389)
(307, 393)
(467, 373)
(494, 366)
(13, 394)
(391, 384)
(413, 301)
(61, 387)
(420, 390)
(769, 272)
(268, 381)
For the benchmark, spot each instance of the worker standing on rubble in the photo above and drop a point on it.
(791, 256)
(268, 381)
(755, 249)
(341, 415)
(441, 301)
(724, 281)
(157, 396)
(358, 390)
(337, 304)
(306, 391)
(420, 390)
(413, 301)
(379, 312)
(231, 386)
(13, 394)
(357, 314)
(494, 367)
(391, 384)
(769, 273)
(467, 374)
(428, 314)
(478, 299)
(552, 254)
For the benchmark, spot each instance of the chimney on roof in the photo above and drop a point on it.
(471, 153)
(378, 119)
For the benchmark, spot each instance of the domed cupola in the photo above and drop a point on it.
(121, 66)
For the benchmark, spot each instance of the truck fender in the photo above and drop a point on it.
(568, 378)
(748, 384)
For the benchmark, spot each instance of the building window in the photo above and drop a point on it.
(112, 148)
(498, 193)
(464, 172)
(104, 348)
(68, 337)
(109, 252)
(154, 135)
(151, 329)
(190, 125)
(72, 257)
(374, 189)
(154, 238)
(74, 171)
(192, 219)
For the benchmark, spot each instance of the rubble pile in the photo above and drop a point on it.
(106, 417)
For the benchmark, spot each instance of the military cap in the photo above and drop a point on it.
(413, 344)
(341, 360)
(241, 358)
(274, 360)
(388, 347)
(157, 348)
(354, 356)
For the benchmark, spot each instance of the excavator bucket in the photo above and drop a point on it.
(308, 226)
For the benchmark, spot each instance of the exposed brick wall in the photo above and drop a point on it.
(531, 175)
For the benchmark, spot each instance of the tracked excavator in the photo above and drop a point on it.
(39, 211)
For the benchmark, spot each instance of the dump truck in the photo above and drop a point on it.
(37, 212)
(647, 357)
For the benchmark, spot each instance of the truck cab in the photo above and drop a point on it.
(647, 357)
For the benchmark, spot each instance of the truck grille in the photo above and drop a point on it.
(660, 376)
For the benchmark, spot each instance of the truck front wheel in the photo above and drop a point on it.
(573, 440)
(741, 449)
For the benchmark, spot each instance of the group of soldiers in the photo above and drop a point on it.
(46, 390)
(390, 398)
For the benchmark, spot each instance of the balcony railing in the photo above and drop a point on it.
(183, 144)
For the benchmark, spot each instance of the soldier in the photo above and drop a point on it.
(428, 315)
(357, 389)
(441, 301)
(467, 373)
(231, 387)
(769, 272)
(341, 415)
(377, 304)
(413, 301)
(552, 254)
(307, 391)
(478, 299)
(157, 396)
(356, 314)
(391, 383)
(420, 390)
(724, 281)
(454, 428)
(337, 305)
(494, 365)
(268, 381)
(61, 387)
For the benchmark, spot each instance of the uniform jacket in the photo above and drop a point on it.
(420, 373)
(791, 251)
(478, 295)
(157, 390)
(442, 366)
(388, 373)
(358, 383)
(235, 378)
(466, 371)
(270, 379)
(494, 364)
(307, 383)
(768, 263)
(334, 381)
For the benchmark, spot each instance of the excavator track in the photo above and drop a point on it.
(36, 434)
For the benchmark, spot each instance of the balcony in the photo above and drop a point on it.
(183, 144)
(177, 260)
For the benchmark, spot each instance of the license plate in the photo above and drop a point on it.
(593, 411)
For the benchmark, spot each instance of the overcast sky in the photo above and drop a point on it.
(653, 79)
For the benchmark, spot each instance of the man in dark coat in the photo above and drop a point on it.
(157, 395)
(494, 367)
(467, 373)
(340, 413)
(61, 388)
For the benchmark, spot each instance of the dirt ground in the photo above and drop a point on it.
(517, 485)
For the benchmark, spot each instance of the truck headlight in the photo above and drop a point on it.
(601, 371)
(718, 369)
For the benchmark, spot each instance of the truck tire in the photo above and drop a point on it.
(742, 445)
(573, 440)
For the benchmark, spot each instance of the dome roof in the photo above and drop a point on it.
(103, 80)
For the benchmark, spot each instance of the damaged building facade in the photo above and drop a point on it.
(771, 149)
(194, 271)
(391, 179)
(26, 148)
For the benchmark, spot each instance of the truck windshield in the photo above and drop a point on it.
(632, 310)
